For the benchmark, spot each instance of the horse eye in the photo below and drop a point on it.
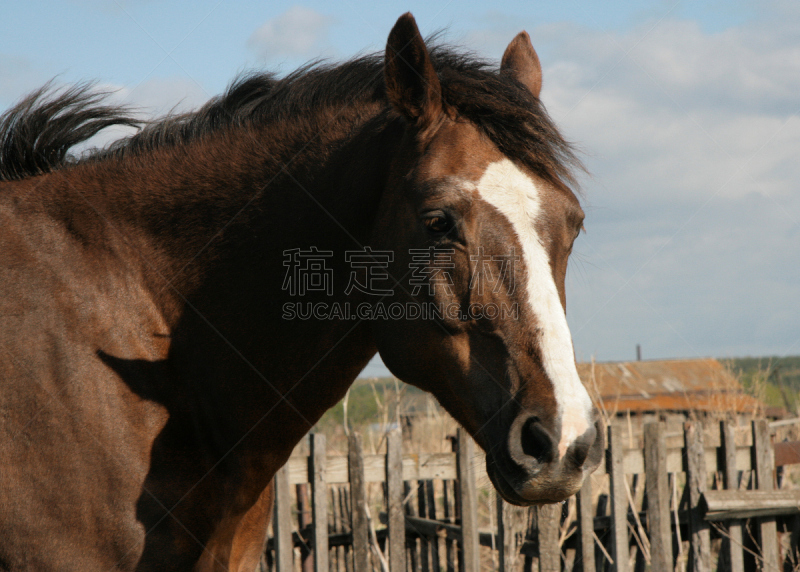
(438, 224)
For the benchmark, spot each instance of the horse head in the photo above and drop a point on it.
(479, 214)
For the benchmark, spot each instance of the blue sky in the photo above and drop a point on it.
(687, 114)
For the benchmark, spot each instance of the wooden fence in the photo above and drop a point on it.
(694, 507)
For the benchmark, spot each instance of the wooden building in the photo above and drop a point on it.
(667, 386)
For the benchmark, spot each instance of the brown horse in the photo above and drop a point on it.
(179, 309)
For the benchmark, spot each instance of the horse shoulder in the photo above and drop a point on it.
(70, 422)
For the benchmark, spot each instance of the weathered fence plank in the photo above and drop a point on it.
(658, 495)
(764, 464)
(282, 523)
(424, 551)
(511, 526)
(633, 462)
(730, 473)
(394, 501)
(619, 499)
(415, 467)
(411, 541)
(724, 505)
(470, 546)
(586, 527)
(344, 512)
(319, 501)
(450, 510)
(504, 562)
(425, 466)
(304, 519)
(358, 504)
(700, 553)
(335, 553)
(430, 502)
(549, 527)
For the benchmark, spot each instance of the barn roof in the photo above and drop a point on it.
(673, 385)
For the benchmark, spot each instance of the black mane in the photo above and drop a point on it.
(36, 134)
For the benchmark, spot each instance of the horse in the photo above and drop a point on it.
(180, 307)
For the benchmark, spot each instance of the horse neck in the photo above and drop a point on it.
(203, 228)
(190, 209)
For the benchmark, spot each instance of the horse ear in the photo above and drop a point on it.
(412, 85)
(520, 61)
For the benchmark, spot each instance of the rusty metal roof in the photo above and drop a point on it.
(675, 385)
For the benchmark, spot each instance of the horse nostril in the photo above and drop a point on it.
(582, 445)
(536, 442)
(588, 449)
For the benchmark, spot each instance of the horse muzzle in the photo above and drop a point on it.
(530, 470)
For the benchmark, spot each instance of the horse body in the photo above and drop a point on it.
(116, 360)
(152, 384)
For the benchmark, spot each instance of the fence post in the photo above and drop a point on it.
(619, 499)
(433, 543)
(450, 512)
(657, 490)
(422, 512)
(470, 554)
(335, 553)
(764, 464)
(549, 522)
(700, 553)
(586, 526)
(282, 523)
(319, 501)
(502, 549)
(411, 540)
(304, 520)
(727, 437)
(358, 504)
(511, 521)
(394, 501)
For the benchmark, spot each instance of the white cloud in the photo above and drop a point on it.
(298, 32)
(18, 76)
(684, 109)
(159, 96)
(693, 207)
(148, 100)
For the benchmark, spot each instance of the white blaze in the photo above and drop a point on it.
(515, 195)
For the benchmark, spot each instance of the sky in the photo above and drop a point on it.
(685, 113)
